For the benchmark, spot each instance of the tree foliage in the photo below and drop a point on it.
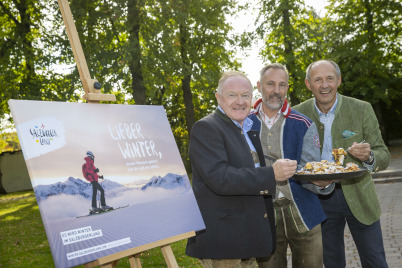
(362, 36)
(9, 141)
(370, 51)
(26, 53)
(293, 36)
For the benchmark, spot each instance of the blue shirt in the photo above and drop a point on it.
(327, 119)
(247, 124)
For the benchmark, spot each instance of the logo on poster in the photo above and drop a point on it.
(42, 135)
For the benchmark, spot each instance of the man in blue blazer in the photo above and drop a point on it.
(231, 183)
(286, 133)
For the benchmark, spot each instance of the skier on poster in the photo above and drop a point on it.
(90, 173)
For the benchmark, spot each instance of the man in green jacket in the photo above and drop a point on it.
(345, 122)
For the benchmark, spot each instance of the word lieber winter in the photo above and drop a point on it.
(135, 149)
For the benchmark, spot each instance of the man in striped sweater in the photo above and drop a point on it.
(286, 133)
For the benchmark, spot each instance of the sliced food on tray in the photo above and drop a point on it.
(325, 167)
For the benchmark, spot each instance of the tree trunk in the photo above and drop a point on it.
(187, 94)
(378, 113)
(289, 55)
(371, 51)
(29, 87)
(137, 84)
(188, 103)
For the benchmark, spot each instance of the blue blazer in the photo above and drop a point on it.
(296, 132)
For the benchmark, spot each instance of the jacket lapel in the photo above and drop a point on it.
(255, 139)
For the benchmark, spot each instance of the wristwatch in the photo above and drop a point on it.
(325, 187)
(370, 160)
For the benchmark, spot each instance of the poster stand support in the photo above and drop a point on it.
(91, 86)
(93, 94)
(133, 254)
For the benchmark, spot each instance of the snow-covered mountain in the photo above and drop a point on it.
(169, 181)
(74, 186)
(71, 186)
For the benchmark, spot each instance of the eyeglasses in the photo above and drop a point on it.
(244, 96)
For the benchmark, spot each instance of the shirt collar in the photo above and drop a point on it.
(331, 111)
(285, 110)
(247, 124)
(261, 111)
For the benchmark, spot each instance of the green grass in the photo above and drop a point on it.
(23, 241)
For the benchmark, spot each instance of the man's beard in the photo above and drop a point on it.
(273, 105)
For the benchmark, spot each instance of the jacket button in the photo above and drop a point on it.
(266, 191)
(269, 147)
(241, 132)
(265, 215)
(269, 134)
(321, 127)
(261, 192)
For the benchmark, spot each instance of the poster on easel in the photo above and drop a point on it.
(106, 177)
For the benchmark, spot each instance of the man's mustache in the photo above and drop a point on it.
(275, 95)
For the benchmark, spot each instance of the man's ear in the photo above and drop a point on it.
(339, 80)
(218, 97)
(259, 86)
(307, 83)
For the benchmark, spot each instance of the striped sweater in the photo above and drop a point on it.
(300, 141)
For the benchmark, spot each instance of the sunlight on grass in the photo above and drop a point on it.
(5, 211)
(11, 218)
(16, 195)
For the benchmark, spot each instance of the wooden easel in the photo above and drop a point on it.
(91, 86)
(133, 253)
(93, 94)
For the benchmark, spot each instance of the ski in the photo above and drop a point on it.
(101, 212)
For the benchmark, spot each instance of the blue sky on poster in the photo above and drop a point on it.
(252, 63)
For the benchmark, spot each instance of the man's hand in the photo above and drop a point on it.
(322, 184)
(360, 150)
(284, 169)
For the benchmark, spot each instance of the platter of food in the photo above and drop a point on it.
(325, 170)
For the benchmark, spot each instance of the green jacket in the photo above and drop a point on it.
(356, 116)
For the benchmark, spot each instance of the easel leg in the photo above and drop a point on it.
(135, 262)
(110, 264)
(169, 256)
(134, 253)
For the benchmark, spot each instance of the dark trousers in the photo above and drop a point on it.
(95, 187)
(368, 238)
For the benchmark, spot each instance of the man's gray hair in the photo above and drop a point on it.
(273, 66)
(337, 70)
(226, 75)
